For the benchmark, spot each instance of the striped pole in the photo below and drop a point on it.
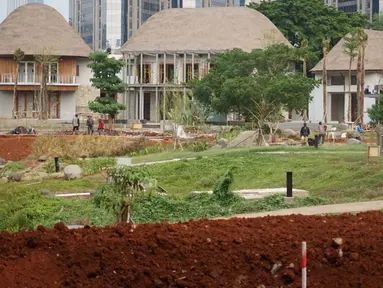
(304, 265)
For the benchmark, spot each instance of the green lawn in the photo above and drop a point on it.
(331, 174)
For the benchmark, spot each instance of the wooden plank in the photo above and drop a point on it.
(7, 65)
(67, 66)
(37, 88)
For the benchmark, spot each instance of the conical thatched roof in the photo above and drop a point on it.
(204, 29)
(339, 61)
(38, 28)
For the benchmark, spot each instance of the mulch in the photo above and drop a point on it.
(223, 253)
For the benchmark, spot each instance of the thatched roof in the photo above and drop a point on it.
(37, 29)
(201, 30)
(339, 61)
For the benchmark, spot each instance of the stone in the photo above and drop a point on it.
(3, 161)
(223, 142)
(4, 180)
(291, 266)
(43, 158)
(353, 141)
(16, 177)
(261, 286)
(84, 156)
(337, 242)
(72, 172)
(354, 256)
(289, 133)
(340, 253)
(276, 268)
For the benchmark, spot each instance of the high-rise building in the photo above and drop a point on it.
(367, 7)
(13, 4)
(107, 24)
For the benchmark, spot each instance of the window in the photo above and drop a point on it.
(336, 80)
(169, 73)
(146, 69)
(353, 80)
(189, 71)
(77, 70)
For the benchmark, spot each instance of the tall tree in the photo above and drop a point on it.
(18, 55)
(105, 77)
(350, 48)
(311, 20)
(258, 85)
(324, 79)
(363, 39)
(47, 65)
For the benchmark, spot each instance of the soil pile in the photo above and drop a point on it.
(224, 253)
(16, 148)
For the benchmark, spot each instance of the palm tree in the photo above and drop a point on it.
(304, 56)
(325, 45)
(362, 43)
(350, 47)
(18, 55)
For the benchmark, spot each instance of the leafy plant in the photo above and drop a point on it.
(197, 146)
(11, 167)
(222, 189)
(118, 196)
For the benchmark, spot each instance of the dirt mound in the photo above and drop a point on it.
(16, 148)
(224, 253)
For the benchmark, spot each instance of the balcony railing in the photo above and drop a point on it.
(34, 79)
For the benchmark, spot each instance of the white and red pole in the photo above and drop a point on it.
(304, 265)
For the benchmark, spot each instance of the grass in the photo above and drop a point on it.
(332, 174)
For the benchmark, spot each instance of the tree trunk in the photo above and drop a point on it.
(349, 117)
(305, 117)
(324, 81)
(362, 88)
(110, 122)
(14, 109)
(359, 81)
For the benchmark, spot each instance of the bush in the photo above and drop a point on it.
(197, 146)
(222, 189)
(11, 167)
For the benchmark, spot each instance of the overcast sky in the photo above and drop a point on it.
(60, 5)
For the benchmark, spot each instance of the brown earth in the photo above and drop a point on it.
(16, 148)
(225, 253)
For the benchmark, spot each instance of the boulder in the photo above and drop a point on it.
(72, 172)
(3, 162)
(289, 133)
(353, 141)
(43, 158)
(223, 142)
(4, 180)
(16, 176)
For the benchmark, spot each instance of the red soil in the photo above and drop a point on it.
(15, 148)
(224, 253)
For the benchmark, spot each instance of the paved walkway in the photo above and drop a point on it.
(317, 210)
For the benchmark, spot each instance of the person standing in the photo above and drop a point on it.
(305, 132)
(76, 123)
(90, 124)
(358, 132)
(322, 133)
(101, 125)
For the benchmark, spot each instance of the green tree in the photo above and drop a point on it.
(258, 85)
(311, 20)
(377, 22)
(376, 112)
(350, 48)
(105, 77)
(18, 55)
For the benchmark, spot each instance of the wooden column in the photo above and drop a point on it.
(175, 70)
(164, 68)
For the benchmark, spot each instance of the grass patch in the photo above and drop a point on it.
(11, 167)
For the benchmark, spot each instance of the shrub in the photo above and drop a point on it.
(197, 146)
(11, 167)
(222, 189)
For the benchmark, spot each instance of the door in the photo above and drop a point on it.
(337, 107)
(54, 105)
(354, 107)
(147, 97)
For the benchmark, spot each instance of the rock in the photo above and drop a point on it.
(16, 177)
(43, 158)
(2, 162)
(84, 156)
(340, 253)
(72, 172)
(261, 286)
(288, 277)
(289, 133)
(2, 167)
(354, 256)
(276, 268)
(353, 141)
(291, 266)
(223, 142)
(4, 180)
(337, 242)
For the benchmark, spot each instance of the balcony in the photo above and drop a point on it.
(34, 79)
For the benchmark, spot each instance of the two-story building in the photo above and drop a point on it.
(337, 82)
(40, 30)
(175, 45)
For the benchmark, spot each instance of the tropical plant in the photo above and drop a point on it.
(350, 48)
